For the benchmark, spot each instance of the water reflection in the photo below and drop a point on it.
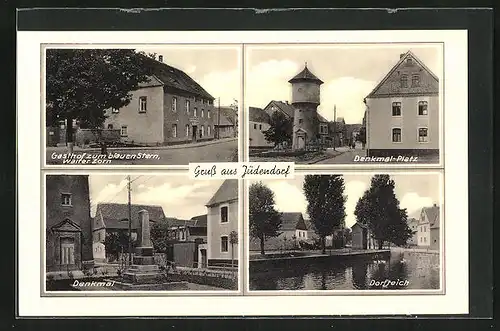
(403, 270)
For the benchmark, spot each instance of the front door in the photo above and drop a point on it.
(67, 251)
(301, 142)
(195, 131)
(203, 258)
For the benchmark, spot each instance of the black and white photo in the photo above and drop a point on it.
(150, 105)
(183, 234)
(344, 103)
(346, 232)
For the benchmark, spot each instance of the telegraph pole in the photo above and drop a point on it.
(334, 125)
(129, 223)
(218, 118)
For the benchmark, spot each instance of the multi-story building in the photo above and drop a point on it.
(258, 123)
(171, 108)
(222, 220)
(403, 111)
(413, 225)
(428, 235)
(68, 223)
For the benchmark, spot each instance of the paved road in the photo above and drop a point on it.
(347, 155)
(224, 151)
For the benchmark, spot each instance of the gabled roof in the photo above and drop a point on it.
(176, 79)
(284, 107)
(199, 221)
(361, 225)
(305, 75)
(228, 191)
(291, 221)
(390, 84)
(227, 118)
(258, 115)
(66, 226)
(321, 118)
(115, 215)
(432, 215)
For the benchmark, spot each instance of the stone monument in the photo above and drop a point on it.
(143, 269)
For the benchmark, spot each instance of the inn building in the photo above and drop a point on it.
(402, 111)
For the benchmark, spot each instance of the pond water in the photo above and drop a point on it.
(403, 270)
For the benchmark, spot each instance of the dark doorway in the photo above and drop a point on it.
(195, 131)
(364, 239)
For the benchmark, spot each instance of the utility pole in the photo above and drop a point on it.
(129, 224)
(334, 125)
(218, 118)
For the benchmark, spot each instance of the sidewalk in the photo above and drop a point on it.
(76, 149)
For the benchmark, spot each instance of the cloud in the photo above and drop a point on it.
(288, 197)
(354, 190)
(268, 81)
(347, 93)
(190, 69)
(110, 193)
(225, 85)
(413, 202)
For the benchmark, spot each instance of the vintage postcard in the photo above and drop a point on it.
(345, 104)
(346, 232)
(112, 233)
(243, 173)
(140, 104)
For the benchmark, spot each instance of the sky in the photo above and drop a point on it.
(414, 191)
(216, 68)
(349, 72)
(179, 196)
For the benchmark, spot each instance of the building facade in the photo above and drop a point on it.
(190, 230)
(258, 123)
(222, 220)
(113, 218)
(362, 237)
(403, 111)
(68, 223)
(171, 108)
(413, 225)
(428, 235)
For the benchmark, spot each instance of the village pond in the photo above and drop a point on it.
(402, 270)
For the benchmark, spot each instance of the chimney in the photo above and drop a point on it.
(160, 58)
(435, 205)
(401, 55)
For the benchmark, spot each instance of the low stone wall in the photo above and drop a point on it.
(85, 137)
(291, 262)
(210, 280)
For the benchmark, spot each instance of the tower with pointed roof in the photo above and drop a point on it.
(305, 100)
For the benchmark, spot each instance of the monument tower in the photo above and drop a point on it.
(305, 100)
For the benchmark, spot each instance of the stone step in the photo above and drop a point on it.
(143, 268)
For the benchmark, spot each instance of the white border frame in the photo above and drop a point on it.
(454, 129)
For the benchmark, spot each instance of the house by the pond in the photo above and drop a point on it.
(294, 229)
(428, 234)
(67, 223)
(362, 237)
(413, 226)
(222, 220)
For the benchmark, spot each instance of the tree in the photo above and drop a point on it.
(265, 220)
(83, 83)
(325, 204)
(233, 240)
(160, 236)
(361, 137)
(115, 242)
(280, 129)
(379, 209)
